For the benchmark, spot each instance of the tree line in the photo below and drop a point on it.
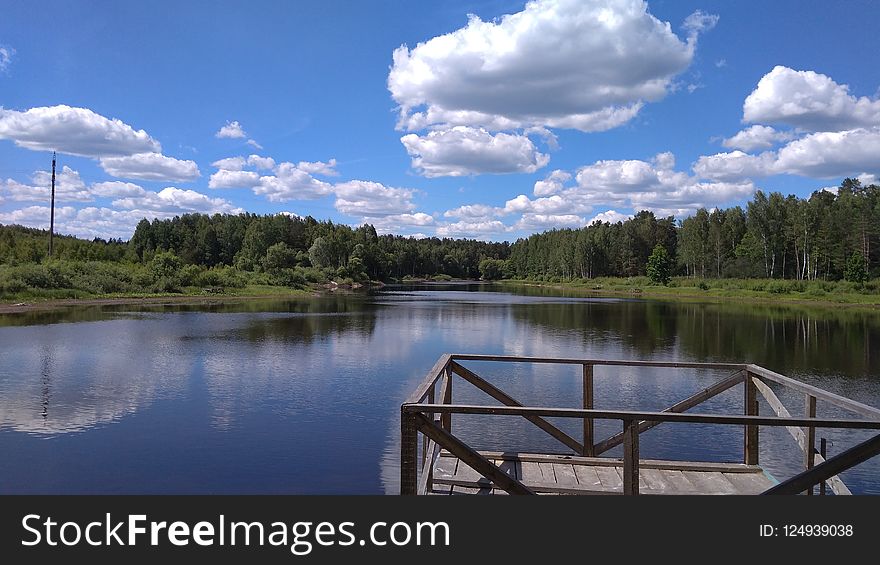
(828, 236)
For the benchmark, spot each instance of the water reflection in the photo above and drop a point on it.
(303, 395)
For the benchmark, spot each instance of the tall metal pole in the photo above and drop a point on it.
(52, 217)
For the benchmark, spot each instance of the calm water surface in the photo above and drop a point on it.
(303, 396)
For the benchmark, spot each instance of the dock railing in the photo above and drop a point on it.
(429, 410)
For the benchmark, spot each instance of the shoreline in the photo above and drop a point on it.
(696, 296)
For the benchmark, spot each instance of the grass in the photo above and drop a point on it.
(758, 290)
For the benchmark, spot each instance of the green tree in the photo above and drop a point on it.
(855, 269)
(659, 266)
(491, 269)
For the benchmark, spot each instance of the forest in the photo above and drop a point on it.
(829, 236)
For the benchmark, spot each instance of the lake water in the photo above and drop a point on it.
(303, 396)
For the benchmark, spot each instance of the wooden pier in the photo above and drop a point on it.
(436, 461)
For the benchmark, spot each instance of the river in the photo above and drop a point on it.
(303, 396)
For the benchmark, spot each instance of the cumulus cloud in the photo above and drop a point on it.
(232, 130)
(327, 169)
(175, 200)
(291, 183)
(69, 187)
(536, 222)
(396, 222)
(230, 163)
(150, 166)
(756, 137)
(735, 165)
(75, 131)
(587, 65)
(371, 199)
(478, 229)
(808, 100)
(116, 189)
(552, 183)
(473, 212)
(6, 54)
(609, 216)
(253, 143)
(261, 163)
(832, 154)
(463, 150)
(233, 179)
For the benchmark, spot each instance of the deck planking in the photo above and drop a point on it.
(549, 474)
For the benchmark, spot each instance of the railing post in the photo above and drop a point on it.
(630, 456)
(409, 447)
(425, 438)
(823, 443)
(446, 419)
(588, 405)
(809, 435)
(750, 432)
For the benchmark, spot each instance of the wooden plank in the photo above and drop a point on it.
(421, 391)
(579, 413)
(614, 462)
(446, 398)
(465, 472)
(548, 472)
(409, 453)
(445, 467)
(467, 455)
(587, 476)
(830, 467)
(541, 487)
(565, 475)
(835, 399)
(749, 483)
(427, 476)
(654, 481)
(530, 472)
(710, 482)
(809, 435)
(598, 362)
(506, 466)
(677, 481)
(681, 406)
(750, 431)
(630, 457)
(610, 478)
(587, 450)
(508, 400)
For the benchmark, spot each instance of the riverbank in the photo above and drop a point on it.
(193, 296)
(838, 294)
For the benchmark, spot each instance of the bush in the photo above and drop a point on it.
(165, 265)
(189, 274)
(703, 285)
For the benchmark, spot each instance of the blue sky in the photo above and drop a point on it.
(421, 119)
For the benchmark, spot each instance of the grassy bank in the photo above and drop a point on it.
(757, 290)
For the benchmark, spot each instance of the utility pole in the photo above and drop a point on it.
(52, 217)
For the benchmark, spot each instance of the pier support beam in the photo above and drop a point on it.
(409, 452)
(750, 432)
(630, 457)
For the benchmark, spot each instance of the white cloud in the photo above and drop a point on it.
(832, 154)
(552, 183)
(808, 100)
(540, 222)
(756, 137)
(868, 179)
(261, 163)
(69, 187)
(587, 65)
(327, 169)
(396, 223)
(618, 176)
(6, 54)
(176, 200)
(557, 204)
(697, 23)
(609, 216)
(735, 165)
(462, 150)
(479, 229)
(253, 143)
(231, 163)
(371, 199)
(231, 130)
(150, 166)
(75, 131)
(233, 179)
(473, 212)
(116, 189)
(291, 183)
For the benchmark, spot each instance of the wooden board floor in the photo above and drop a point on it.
(557, 474)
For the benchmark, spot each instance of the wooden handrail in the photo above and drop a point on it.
(597, 362)
(648, 416)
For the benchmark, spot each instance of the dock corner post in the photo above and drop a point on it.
(750, 432)
(409, 452)
(809, 435)
(588, 405)
(446, 398)
(630, 456)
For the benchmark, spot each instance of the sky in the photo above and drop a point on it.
(490, 120)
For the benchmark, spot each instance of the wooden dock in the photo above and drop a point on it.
(441, 463)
